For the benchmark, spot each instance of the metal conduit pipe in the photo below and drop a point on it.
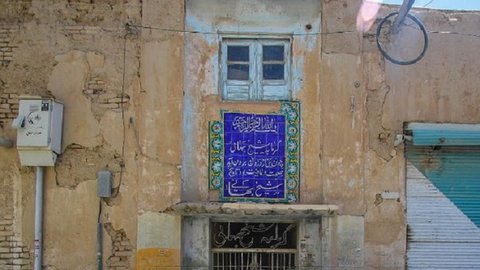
(402, 13)
(6, 142)
(38, 244)
(99, 246)
(99, 238)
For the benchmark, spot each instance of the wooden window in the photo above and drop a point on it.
(255, 69)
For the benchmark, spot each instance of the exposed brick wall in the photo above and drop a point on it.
(94, 87)
(122, 250)
(14, 255)
(81, 32)
(15, 11)
(113, 101)
(8, 107)
(96, 91)
(6, 47)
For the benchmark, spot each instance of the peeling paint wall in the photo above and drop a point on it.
(138, 101)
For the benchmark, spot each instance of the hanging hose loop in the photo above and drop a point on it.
(390, 58)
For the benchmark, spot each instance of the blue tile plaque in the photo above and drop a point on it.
(256, 156)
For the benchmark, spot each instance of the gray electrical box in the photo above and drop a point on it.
(104, 184)
(39, 131)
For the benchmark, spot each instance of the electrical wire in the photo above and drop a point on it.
(412, 26)
(218, 33)
(264, 34)
(454, 33)
(122, 110)
(269, 34)
(123, 95)
(427, 4)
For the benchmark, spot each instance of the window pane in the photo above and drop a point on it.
(238, 72)
(273, 53)
(273, 72)
(237, 53)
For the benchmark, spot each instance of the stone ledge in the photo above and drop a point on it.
(217, 209)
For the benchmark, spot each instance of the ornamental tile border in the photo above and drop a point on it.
(291, 181)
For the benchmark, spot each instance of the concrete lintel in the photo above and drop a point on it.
(217, 209)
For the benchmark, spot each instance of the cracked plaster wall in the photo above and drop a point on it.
(442, 87)
(75, 52)
(158, 104)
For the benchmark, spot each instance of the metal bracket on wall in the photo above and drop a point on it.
(401, 138)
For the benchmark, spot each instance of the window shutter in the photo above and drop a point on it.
(274, 92)
(275, 89)
(237, 89)
(237, 92)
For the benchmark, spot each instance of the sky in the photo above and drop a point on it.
(441, 4)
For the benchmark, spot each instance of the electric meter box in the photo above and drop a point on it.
(39, 131)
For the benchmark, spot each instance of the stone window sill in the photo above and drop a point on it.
(218, 209)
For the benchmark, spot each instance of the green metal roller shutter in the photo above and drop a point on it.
(427, 134)
(443, 199)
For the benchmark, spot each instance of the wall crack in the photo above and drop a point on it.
(380, 138)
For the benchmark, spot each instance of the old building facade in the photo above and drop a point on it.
(153, 92)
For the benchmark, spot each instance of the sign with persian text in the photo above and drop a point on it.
(228, 235)
(256, 156)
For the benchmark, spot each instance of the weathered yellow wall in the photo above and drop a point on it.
(81, 53)
(158, 121)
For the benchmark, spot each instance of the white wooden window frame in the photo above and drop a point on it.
(256, 89)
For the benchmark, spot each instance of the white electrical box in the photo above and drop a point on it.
(39, 131)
